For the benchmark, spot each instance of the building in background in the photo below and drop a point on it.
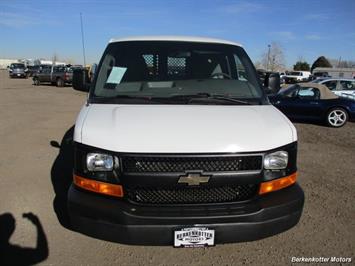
(335, 72)
(5, 63)
(37, 62)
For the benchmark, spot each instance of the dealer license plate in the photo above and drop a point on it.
(194, 237)
(18, 75)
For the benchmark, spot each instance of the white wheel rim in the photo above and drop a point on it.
(337, 118)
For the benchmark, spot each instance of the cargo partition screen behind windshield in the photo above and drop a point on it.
(163, 69)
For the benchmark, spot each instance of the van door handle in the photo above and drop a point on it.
(313, 102)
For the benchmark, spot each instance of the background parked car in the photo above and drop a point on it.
(17, 70)
(313, 101)
(32, 70)
(297, 76)
(282, 77)
(341, 87)
(56, 75)
(321, 75)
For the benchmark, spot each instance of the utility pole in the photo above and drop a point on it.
(268, 58)
(83, 43)
(82, 38)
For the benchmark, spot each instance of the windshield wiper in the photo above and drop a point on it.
(226, 98)
(208, 96)
(123, 97)
(185, 98)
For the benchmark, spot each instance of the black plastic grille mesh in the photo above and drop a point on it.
(182, 164)
(186, 195)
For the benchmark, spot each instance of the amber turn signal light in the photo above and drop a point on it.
(98, 187)
(277, 184)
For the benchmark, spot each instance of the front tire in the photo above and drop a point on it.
(36, 82)
(60, 82)
(336, 117)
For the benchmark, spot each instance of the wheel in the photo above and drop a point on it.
(337, 117)
(36, 82)
(60, 82)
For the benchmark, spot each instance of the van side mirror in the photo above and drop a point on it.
(80, 80)
(272, 82)
(55, 144)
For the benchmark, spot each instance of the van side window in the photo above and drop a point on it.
(241, 73)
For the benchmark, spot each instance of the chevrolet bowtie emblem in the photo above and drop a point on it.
(194, 179)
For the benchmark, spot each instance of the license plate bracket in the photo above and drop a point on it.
(194, 237)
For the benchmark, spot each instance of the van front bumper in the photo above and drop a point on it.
(120, 221)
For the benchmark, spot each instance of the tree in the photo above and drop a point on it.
(258, 65)
(301, 66)
(273, 58)
(342, 63)
(320, 62)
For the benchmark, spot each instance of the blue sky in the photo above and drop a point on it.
(307, 29)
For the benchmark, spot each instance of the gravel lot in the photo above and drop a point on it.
(31, 174)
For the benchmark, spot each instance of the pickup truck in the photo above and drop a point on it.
(17, 70)
(177, 144)
(56, 75)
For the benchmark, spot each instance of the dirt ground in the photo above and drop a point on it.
(30, 181)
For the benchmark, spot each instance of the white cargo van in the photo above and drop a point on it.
(178, 145)
(297, 76)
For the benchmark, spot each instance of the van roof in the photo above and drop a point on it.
(174, 38)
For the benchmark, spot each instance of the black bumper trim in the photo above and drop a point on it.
(114, 220)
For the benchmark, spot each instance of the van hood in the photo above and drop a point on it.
(183, 128)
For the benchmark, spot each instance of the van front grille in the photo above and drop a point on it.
(192, 195)
(162, 164)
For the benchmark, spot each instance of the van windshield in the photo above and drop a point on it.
(169, 69)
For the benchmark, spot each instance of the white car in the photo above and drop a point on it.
(297, 76)
(341, 87)
(178, 145)
(282, 74)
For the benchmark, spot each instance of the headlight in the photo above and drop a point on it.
(100, 162)
(276, 160)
